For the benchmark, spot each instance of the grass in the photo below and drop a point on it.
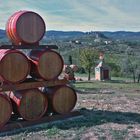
(119, 134)
(106, 85)
(113, 115)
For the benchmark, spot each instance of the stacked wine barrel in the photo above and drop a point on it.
(28, 28)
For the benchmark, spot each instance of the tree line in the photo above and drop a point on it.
(126, 64)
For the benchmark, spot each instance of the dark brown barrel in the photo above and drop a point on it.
(25, 27)
(5, 109)
(46, 64)
(62, 99)
(30, 104)
(14, 66)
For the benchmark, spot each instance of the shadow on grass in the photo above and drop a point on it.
(84, 82)
(115, 81)
(90, 118)
(87, 90)
(103, 81)
(97, 117)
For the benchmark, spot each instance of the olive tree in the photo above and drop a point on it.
(131, 64)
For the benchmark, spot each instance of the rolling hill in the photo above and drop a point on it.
(121, 35)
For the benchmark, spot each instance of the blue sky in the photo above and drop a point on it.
(79, 15)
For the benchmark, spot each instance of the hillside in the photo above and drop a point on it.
(2, 34)
(122, 35)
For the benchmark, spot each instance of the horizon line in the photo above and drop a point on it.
(88, 31)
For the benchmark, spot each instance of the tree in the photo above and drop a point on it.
(131, 64)
(113, 61)
(70, 59)
(88, 58)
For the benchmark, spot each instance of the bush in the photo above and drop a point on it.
(81, 70)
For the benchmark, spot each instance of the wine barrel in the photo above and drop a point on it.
(25, 27)
(46, 64)
(5, 109)
(62, 99)
(30, 104)
(14, 66)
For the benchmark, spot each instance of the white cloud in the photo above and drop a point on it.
(79, 14)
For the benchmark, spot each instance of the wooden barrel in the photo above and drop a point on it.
(14, 66)
(62, 99)
(5, 109)
(25, 27)
(46, 64)
(30, 104)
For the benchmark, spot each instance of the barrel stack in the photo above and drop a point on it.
(27, 28)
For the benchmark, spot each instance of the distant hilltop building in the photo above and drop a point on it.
(102, 70)
(97, 34)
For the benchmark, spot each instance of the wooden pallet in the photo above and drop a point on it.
(14, 125)
(28, 47)
(30, 83)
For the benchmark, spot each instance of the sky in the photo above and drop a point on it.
(79, 15)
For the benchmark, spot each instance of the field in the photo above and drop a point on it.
(110, 111)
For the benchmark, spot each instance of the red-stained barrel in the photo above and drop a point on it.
(14, 66)
(5, 109)
(25, 27)
(46, 64)
(30, 104)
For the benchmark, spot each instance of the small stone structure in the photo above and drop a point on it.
(102, 70)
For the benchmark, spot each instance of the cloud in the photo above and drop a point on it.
(82, 15)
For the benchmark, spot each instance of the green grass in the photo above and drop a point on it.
(119, 134)
(95, 85)
(83, 75)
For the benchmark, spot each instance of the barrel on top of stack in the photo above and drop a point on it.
(14, 66)
(25, 27)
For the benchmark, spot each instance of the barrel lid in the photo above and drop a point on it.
(33, 104)
(50, 65)
(25, 27)
(14, 66)
(64, 99)
(30, 27)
